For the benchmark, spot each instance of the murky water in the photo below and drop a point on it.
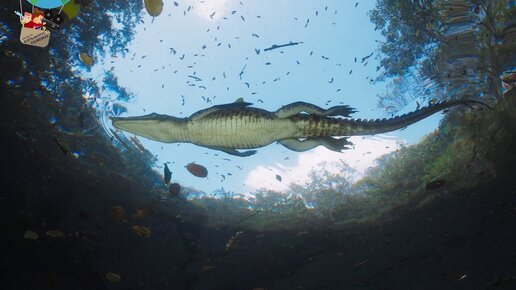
(86, 205)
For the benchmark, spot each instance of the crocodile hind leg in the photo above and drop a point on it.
(298, 107)
(331, 143)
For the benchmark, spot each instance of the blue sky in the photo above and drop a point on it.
(217, 49)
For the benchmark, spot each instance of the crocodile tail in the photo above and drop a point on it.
(355, 127)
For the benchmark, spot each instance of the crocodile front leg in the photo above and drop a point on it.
(333, 144)
(298, 107)
(234, 151)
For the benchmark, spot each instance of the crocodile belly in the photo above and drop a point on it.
(236, 132)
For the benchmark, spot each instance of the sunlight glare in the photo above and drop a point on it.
(211, 10)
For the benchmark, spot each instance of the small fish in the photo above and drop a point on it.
(197, 170)
(278, 178)
(174, 189)
(141, 231)
(167, 174)
(366, 57)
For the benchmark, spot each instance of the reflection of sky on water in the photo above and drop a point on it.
(184, 61)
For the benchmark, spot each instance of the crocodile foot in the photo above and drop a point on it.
(334, 144)
(299, 107)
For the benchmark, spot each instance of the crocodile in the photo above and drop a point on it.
(298, 126)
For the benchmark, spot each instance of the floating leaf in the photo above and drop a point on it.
(142, 213)
(141, 231)
(113, 277)
(117, 213)
(71, 9)
(232, 240)
(55, 234)
(197, 170)
(87, 60)
(154, 7)
(31, 235)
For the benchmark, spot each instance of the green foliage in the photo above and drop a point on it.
(443, 49)
(408, 27)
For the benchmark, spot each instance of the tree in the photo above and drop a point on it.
(410, 30)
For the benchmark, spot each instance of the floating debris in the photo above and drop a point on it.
(197, 170)
(55, 234)
(501, 280)
(232, 240)
(113, 277)
(360, 263)
(167, 174)
(81, 120)
(31, 235)
(207, 268)
(142, 213)
(51, 280)
(86, 59)
(435, 184)
(174, 189)
(61, 146)
(276, 46)
(153, 7)
(141, 231)
(117, 213)
(457, 276)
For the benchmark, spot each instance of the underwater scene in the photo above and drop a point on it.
(258, 145)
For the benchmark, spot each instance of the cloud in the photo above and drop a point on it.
(363, 156)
